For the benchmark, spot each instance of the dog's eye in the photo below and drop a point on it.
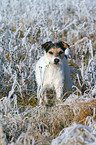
(61, 52)
(50, 52)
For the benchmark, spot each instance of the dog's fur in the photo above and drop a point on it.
(52, 71)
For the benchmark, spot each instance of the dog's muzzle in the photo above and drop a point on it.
(56, 61)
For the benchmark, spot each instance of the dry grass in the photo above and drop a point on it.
(24, 27)
(86, 109)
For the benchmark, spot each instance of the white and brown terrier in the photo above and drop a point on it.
(52, 70)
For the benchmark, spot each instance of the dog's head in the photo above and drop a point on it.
(56, 51)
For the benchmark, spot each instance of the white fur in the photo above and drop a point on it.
(67, 52)
(54, 76)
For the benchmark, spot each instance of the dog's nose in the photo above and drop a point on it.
(56, 60)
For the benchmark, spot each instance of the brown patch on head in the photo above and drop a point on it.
(47, 45)
(56, 52)
(65, 45)
(62, 45)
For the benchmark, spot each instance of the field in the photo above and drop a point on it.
(24, 26)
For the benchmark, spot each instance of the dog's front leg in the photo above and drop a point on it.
(59, 93)
(43, 99)
(42, 96)
(39, 95)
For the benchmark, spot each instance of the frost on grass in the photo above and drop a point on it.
(39, 125)
(76, 134)
(24, 26)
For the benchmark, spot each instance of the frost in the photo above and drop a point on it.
(75, 134)
(24, 26)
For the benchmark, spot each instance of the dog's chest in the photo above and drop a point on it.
(53, 75)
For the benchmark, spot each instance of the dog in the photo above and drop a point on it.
(52, 70)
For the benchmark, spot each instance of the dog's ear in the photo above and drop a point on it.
(47, 45)
(63, 45)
